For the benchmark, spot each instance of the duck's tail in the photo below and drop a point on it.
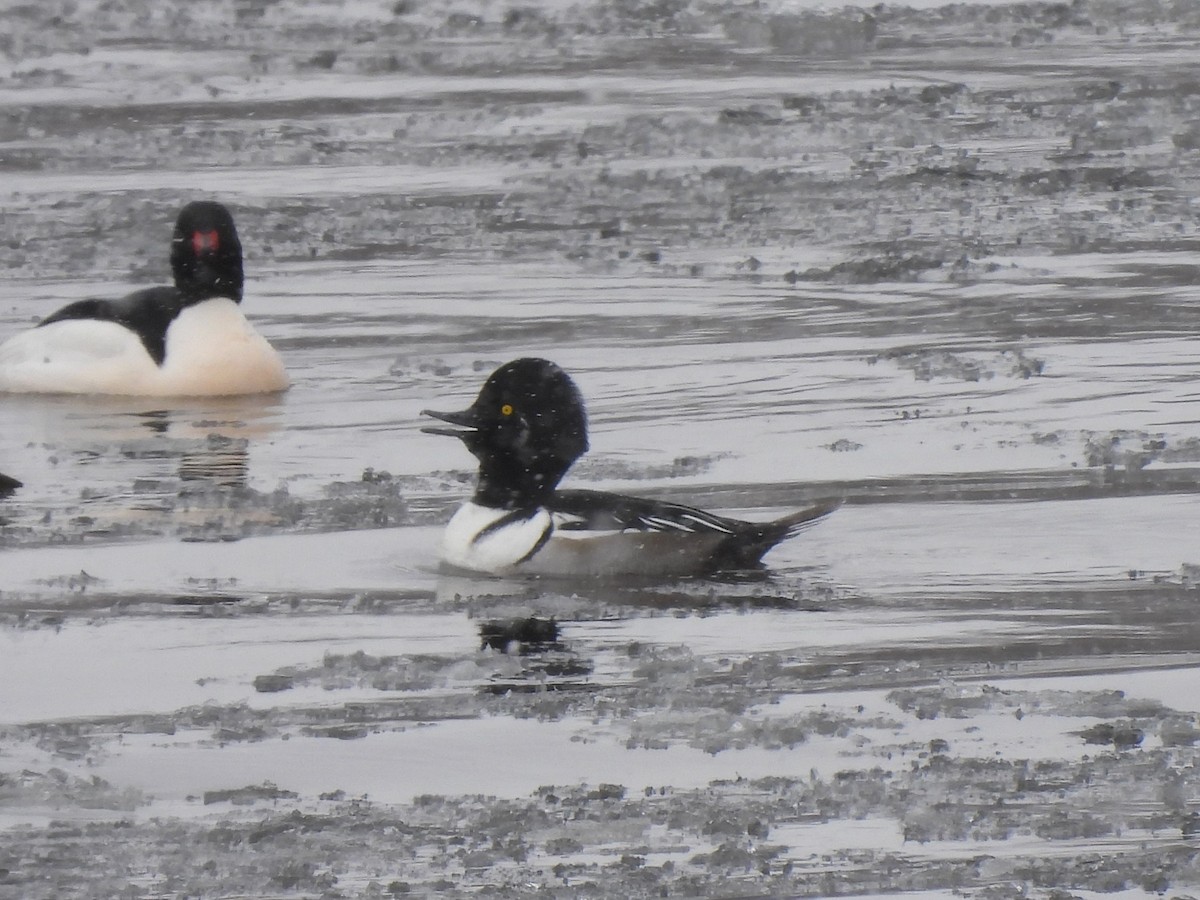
(793, 524)
(747, 548)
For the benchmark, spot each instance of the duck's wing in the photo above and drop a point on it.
(579, 510)
(739, 545)
(147, 313)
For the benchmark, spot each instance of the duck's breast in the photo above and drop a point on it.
(493, 541)
(212, 350)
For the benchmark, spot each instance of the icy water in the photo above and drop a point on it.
(939, 263)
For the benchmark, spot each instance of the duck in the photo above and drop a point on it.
(186, 339)
(526, 428)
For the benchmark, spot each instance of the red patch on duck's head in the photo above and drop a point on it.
(205, 242)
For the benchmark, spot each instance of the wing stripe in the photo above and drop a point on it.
(658, 523)
(712, 523)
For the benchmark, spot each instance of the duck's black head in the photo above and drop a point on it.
(206, 255)
(526, 427)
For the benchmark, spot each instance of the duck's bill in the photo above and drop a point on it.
(465, 420)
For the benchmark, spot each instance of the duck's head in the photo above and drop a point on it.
(526, 427)
(206, 255)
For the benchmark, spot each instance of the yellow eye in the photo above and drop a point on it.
(506, 409)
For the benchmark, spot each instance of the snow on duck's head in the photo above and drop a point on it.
(526, 428)
(206, 255)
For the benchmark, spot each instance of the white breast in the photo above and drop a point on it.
(211, 350)
(498, 552)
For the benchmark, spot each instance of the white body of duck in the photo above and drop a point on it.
(211, 351)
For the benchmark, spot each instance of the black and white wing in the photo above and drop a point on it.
(578, 510)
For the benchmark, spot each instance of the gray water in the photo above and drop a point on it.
(942, 267)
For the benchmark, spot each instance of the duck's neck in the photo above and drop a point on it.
(512, 487)
(203, 279)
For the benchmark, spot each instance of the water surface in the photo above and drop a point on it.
(939, 263)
